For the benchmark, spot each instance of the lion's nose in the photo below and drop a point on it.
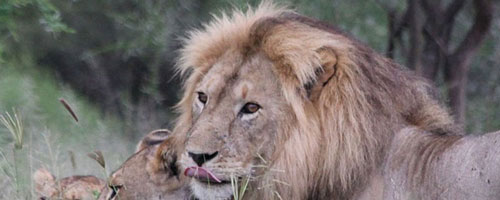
(201, 158)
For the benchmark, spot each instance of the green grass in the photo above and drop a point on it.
(15, 127)
(42, 133)
(20, 155)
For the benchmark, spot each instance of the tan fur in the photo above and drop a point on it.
(73, 187)
(152, 138)
(340, 104)
(423, 165)
(148, 174)
(425, 148)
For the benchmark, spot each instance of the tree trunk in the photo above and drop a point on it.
(456, 82)
(457, 64)
(433, 53)
(436, 54)
(415, 35)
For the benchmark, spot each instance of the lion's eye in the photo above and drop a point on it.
(250, 108)
(202, 97)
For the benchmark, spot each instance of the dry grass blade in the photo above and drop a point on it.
(72, 159)
(244, 187)
(234, 186)
(239, 190)
(8, 169)
(15, 127)
(68, 108)
(97, 156)
(278, 195)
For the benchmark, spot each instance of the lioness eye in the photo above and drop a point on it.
(202, 97)
(114, 191)
(250, 108)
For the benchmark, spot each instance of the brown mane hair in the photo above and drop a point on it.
(336, 140)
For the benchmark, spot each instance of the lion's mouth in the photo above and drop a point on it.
(203, 175)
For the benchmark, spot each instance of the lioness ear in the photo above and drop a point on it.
(153, 138)
(328, 61)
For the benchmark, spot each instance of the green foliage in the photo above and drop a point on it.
(96, 194)
(14, 11)
(19, 16)
(51, 18)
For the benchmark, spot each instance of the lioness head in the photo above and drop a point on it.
(151, 173)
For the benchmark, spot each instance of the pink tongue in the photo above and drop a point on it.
(201, 173)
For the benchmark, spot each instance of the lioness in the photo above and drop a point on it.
(73, 187)
(307, 112)
(151, 173)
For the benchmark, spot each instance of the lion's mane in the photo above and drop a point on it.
(337, 140)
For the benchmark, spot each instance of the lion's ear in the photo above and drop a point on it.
(328, 61)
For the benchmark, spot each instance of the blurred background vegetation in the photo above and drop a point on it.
(112, 61)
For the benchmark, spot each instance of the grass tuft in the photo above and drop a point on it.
(239, 191)
(97, 156)
(15, 126)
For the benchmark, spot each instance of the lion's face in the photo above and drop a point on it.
(236, 113)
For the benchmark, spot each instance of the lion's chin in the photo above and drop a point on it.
(206, 191)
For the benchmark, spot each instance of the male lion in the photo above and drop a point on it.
(73, 187)
(149, 174)
(307, 112)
